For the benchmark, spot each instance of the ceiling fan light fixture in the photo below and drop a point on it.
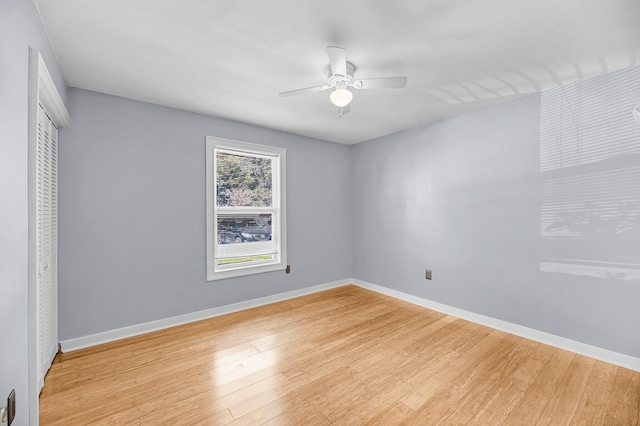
(341, 77)
(341, 97)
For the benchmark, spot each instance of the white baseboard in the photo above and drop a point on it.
(605, 355)
(147, 327)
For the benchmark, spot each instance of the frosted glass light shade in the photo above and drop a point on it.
(341, 97)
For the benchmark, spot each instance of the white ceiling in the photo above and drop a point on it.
(231, 58)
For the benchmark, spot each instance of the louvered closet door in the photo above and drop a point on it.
(47, 243)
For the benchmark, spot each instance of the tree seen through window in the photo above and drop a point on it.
(243, 181)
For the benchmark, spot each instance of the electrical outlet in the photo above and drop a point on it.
(288, 270)
(427, 274)
(11, 407)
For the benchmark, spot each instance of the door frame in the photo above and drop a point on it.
(42, 91)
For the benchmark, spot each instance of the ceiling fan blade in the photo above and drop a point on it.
(381, 83)
(306, 90)
(337, 60)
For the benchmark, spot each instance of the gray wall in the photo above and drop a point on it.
(132, 214)
(20, 28)
(468, 197)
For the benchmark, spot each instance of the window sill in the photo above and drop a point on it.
(246, 270)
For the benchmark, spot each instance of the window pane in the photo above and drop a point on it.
(235, 228)
(243, 181)
(243, 238)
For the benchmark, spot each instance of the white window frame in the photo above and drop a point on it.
(215, 272)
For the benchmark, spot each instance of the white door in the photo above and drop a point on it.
(47, 114)
(46, 242)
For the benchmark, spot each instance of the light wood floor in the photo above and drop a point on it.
(344, 356)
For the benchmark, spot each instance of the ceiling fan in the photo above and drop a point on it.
(341, 78)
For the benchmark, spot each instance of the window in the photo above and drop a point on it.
(245, 208)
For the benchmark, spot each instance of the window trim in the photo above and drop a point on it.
(213, 143)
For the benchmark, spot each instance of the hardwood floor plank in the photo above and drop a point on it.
(67, 404)
(292, 419)
(624, 405)
(378, 397)
(254, 403)
(442, 373)
(212, 400)
(439, 357)
(267, 412)
(202, 414)
(535, 399)
(511, 391)
(396, 414)
(475, 396)
(443, 403)
(568, 391)
(343, 356)
(596, 396)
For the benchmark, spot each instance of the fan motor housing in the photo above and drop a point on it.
(335, 79)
